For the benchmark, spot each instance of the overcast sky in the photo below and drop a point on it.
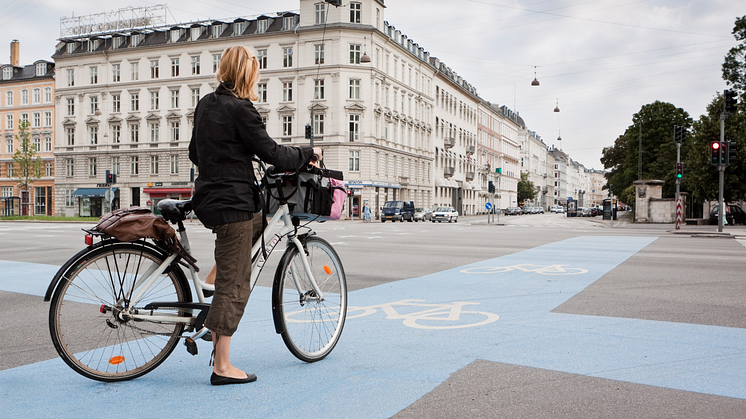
(600, 60)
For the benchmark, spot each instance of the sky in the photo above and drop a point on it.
(598, 61)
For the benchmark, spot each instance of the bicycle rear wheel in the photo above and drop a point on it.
(86, 320)
(310, 326)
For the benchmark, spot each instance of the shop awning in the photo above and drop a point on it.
(92, 192)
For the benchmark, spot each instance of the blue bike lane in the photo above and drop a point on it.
(382, 365)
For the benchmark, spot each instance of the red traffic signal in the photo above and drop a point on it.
(716, 151)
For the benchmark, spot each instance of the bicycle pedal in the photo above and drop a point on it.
(191, 346)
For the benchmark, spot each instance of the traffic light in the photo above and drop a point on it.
(499, 170)
(349, 192)
(679, 134)
(679, 170)
(732, 151)
(730, 101)
(490, 187)
(109, 177)
(309, 131)
(715, 149)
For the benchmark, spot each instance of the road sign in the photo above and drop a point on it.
(488, 206)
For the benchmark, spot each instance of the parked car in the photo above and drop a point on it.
(513, 211)
(445, 214)
(585, 212)
(423, 214)
(397, 210)
(733, 214)
(557, 209)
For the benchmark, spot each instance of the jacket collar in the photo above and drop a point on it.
(225, 88)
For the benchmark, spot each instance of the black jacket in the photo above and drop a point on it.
(227, 132)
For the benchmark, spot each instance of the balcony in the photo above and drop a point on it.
(469, 176)
(449, 142)
(449, 171)
(471, 149)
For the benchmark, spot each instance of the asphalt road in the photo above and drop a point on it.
(653, 328)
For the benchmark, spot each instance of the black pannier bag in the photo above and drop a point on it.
(309, 195)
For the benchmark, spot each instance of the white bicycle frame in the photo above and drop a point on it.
(271, 240)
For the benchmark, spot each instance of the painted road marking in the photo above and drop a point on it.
(527, 267)
(434, 316)
(382, 366)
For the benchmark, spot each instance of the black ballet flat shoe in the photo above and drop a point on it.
(208, 293)
(218, 380)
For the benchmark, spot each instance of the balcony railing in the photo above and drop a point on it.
(449, 142)
(470, 149)
(469, 176)
(449, 171)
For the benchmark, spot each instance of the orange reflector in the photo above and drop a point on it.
(116, 360)
(327, 270)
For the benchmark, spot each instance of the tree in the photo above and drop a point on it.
(26, 161)
(613, 158)
(734, 67)
(526, 188)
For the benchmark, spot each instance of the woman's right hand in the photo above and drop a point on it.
(317, 156)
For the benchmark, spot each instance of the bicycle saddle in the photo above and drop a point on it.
(174, 210)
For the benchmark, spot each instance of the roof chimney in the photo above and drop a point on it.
(15, 50)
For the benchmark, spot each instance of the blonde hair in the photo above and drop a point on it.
(240, 66)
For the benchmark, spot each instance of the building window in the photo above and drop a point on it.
(287, 91)
(261, 89)
(48, 170)
(287, 125)
(7, 73)
(134, 165)
(94, 104)
(134, 133)
(195, 65)
(115, 166)
(175, 131)
(217, 30)
(71, 77)
(216, 62)
(91, 166)
(261, 56)
(93, 134)
(154, 101)
(238, 28)
(153, 69)
(36, 120)
(41, 69)
(287, 57)
(9, 98)
(154, 130)
(9, 145)
(355, 9)
(318, 89)
(318, 53)
(136, 39)
(195, 97)
(174, 67)
(175, 34)
(9, 121)
(69, 200)
(115, 72)
(354, 161)
(319, 15)
(134, 102)
(37, 95)
(354, 127)
(24, 97)
(318, 124)
(154, 165)
(47, 143)
(262, 25)
(195, 33)
(70, 106)
(354, 53)
(70, 136)
(288, 22)
(134, 70)
(116, 134)
(354, 88)
(174, 164)
(116, 100)
(174, 99)
(69, 167)
(10, 170)
(47, 95)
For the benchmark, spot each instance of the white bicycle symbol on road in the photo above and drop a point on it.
(433, 316)
(526, 267)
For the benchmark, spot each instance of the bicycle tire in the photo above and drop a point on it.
(310, 328)
(103, 346)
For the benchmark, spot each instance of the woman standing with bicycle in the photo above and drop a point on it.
(228, 132)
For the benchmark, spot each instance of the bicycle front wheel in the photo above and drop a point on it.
(88, 317)
(310, 324)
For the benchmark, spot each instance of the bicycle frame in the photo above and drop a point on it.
(271, 240)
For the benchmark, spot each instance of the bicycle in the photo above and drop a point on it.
(526, 267)
(118, 309)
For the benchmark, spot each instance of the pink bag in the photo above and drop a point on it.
(338, 195)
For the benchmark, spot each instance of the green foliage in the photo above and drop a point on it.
(26, 161)
(526, 189)
(734, 67)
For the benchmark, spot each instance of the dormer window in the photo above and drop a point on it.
(117, 41)
(175, 35)
(288, 22)
(238, 28)
(217, 30)
(196, 33)
(7, 74)
(41, 69)
(136, 38)
(262, 25)
(70, 47)
(93, 45)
